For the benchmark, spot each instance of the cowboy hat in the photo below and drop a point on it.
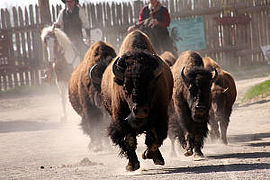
(76, 1)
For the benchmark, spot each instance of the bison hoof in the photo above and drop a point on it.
(159, 161)
(133, 166)
(198, 156)
(188, 153)
(95, 147)
(224, 141)
(155, 155)
(148, 154)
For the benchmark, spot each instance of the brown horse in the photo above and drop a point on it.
(159, 37)
(63, 57)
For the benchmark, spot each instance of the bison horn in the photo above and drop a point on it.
(118, 71)
(183, 76)
(225, 90)
(158, 70)
(93, 75)
(215, 77)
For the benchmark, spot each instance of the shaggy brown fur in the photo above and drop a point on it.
(223, 97)
(84, 97)
(191, 102)
(168, 57)
(124, 102)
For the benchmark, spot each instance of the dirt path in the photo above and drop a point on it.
(34, 145)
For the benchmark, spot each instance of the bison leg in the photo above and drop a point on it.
(198, 144)
(155, 155)
(131, 143)
(189, 145)
(127, 143)
(213, 122)
(91, 126)
(224, 122)
(173, 152)
(153, 142)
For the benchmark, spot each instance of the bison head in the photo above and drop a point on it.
(218, 96)
(198, 81)
(137, 73)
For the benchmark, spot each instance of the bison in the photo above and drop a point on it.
(84, 91)
(168, 57)
(136, 90)
(191, 102)
(223, 97)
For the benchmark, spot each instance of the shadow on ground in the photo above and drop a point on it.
(209, 169)
(248, 137)
(253, 155)
(24, 125)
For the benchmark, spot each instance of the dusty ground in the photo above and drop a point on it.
(34, 145)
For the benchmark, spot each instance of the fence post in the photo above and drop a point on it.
(45, 14)
(137, 7)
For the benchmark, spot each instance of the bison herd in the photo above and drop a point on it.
(151, 94)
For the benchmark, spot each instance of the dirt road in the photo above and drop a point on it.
(34, 145)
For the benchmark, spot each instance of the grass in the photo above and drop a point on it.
(261, 90)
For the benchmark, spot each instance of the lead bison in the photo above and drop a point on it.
(136, 90)
(84, 92)
(191, 102)
(223, 97)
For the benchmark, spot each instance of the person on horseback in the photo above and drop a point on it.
(72, 20)
(156, 17)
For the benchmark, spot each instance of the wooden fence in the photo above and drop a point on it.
(234, 32)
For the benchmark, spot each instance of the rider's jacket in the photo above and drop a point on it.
(161, 14)
(72, 23)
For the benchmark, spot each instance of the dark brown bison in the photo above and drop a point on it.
(223, 97)
(136, 90)
(168, 57)
(191, 102)
(84, 91)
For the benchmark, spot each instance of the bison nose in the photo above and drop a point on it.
(140, 112)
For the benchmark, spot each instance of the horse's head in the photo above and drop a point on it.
(58, 45)
(49, 40)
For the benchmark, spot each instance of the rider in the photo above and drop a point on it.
(72, 19)
(160, 20)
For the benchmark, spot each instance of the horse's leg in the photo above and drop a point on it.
(62, 86)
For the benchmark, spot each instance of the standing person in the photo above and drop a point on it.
(156, 17)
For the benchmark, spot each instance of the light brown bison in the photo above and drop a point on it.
(136, 90)
(168, 57)
(223, 97)
(191, 102)
(84, 91)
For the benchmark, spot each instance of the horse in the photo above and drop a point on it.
(159, 37)
(63, 57)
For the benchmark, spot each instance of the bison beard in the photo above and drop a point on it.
(136, 90)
